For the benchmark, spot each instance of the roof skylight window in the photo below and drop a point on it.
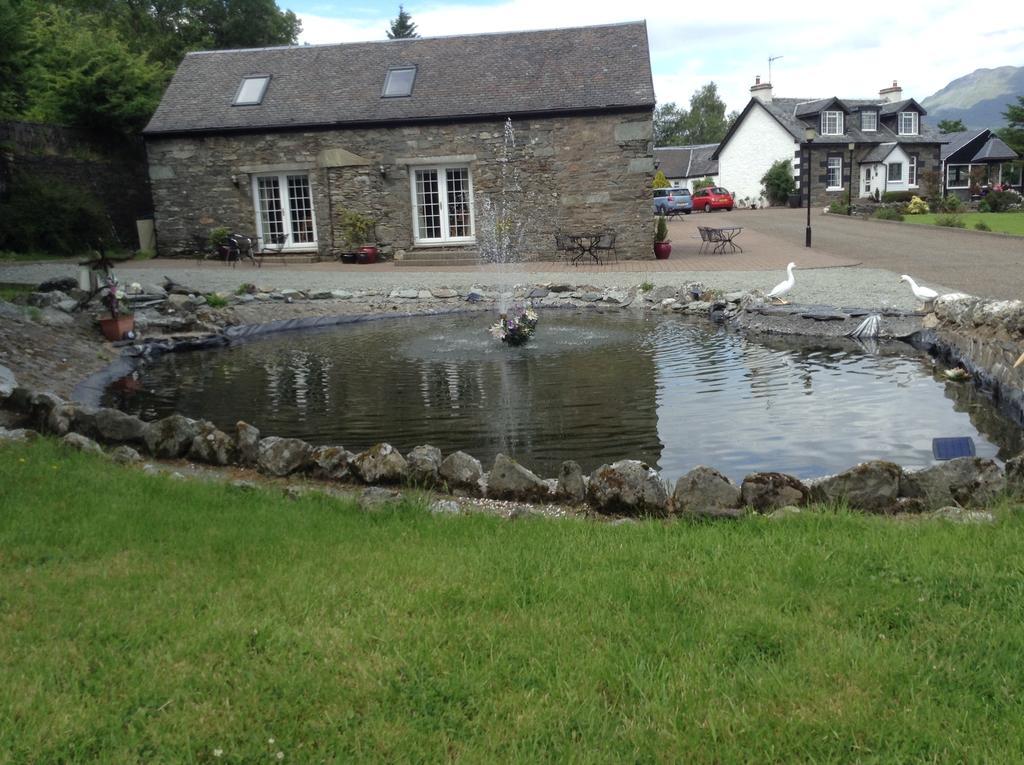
(251, 91)
(399, 81)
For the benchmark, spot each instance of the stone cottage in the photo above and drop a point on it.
(284, 142)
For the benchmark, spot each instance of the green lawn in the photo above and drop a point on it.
(1006, 222)
(148, 620)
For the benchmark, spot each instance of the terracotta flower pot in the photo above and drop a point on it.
(368, 254)
(662, 250)
(116, 329)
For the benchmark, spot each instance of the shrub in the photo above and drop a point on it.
(950, 220)
(983, 206)
(887, 213)
(837, 208)
(982, 226)
(218, 235)
(215, 300)
(951, 204)
(47, 215)
(897, 196)
(646, 286)
(917, 206)
(1000, 201)
(703, 183)
(660, 181)
(661, 230)
(778, 182)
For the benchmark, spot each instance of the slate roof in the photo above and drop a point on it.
(458, 77)
(687, 161)
(995, 150)
(957, 141)
(796, 114)
(976, 146)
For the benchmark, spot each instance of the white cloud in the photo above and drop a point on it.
(824, 51)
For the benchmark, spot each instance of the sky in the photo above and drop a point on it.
(922, 45)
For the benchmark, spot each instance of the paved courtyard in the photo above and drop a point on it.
(852, 262)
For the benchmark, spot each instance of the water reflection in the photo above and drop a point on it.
(589, 387)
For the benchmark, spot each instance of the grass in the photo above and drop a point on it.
(10, 291)
(1005, 222)
(147, 619)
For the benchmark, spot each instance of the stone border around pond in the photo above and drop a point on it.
(626, 487)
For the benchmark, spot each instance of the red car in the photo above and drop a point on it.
(712, 198)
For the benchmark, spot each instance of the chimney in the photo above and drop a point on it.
(762, 93)
(891, 95)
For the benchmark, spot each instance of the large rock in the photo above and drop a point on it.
(58, 284)
(381, 463)
(247, 439)
(81, 443)
(965, 481)
(18, 435)
(40, 405)
(283, 456)
(58, 421)
(510, 480)
(46, 299)
(627, 487)
(871, 486)
(170, 437)
(331, 463)
(124, 455)
(7, 383)
(115, 427)
(705, 492)
(20, 400)
(424, 465)
(571, 486)
(212, 446)
(461, 471)
(1015, 474)
(769, 491)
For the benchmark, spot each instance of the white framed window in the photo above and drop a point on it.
(835, 173)
(831, 123)
(284, 210)
(908, 123)
(896, 172)
(251, 90)
(442, 204)
(869, 121)
(912, 171)
(958, 177)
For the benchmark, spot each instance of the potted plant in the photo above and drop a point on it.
(360, 234)
(121, 321)
(662, 245)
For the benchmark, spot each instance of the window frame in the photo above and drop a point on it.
(241, 86)
(829, 167)
(286, 209)
(912, 170)
(825, 119)
(966, 176)
(915, 123)
(387, 78)
(874, 118)
(888, 172)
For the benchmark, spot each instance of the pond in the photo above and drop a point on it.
(590, 387)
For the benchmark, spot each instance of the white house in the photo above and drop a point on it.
(856, 145)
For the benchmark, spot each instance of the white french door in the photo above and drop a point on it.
(284, 210)
(442, 200)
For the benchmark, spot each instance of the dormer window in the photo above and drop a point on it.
(251, 91)
(908, 123)
(869, 121)
(831, 123)
(399, 82)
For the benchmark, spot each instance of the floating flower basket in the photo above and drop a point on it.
(515, 327)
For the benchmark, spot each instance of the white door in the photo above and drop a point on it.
(865, 174)
(442, 199)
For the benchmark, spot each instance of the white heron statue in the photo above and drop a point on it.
(783, 287)
(924, 294)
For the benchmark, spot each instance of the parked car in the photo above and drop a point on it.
(672, 201)
(712, 198)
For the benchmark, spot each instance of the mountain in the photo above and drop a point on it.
(979, 99)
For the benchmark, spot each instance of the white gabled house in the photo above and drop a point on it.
(858, 146)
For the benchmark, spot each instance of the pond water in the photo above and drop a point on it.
(590, 387)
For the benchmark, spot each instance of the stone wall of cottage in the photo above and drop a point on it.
(927, 159)
(576, 173)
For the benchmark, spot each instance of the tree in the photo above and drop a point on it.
(660, 181)
(951, 126)
(704, 122)
(402, 27)
(1013, 133)
(13, 45)
(778, 182)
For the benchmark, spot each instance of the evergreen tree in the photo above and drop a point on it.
(1013, 133)
(951, 126)
(704, 122)
(402, 27)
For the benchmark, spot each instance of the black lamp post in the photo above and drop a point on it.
(809, 138)
(849, 186)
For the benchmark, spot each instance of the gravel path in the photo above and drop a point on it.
(861, 287)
